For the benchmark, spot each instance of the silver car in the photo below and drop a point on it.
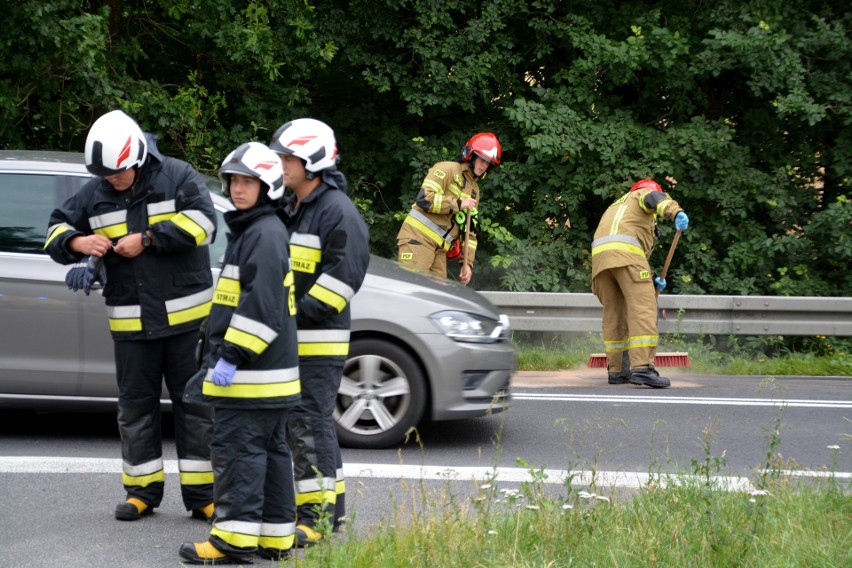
(421, 348)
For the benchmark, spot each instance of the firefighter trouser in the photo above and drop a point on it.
(255, 501)
(317, 461)
(141, 367)
(629, 315)
(418, 252)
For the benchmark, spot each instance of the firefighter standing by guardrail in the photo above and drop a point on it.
(623, 282)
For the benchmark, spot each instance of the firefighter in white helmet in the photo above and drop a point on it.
(329, 245)
(148, 218)
(623, 282)
(251, 372)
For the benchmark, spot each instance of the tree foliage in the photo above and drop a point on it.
(741, 110)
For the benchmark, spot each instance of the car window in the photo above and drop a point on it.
(27, 202)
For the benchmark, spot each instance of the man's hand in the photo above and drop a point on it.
(130, 246)
(659, 283)
(468, 203)
(90, 245)
(465, 274)
(681, 221)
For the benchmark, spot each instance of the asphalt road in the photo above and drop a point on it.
(59, 473)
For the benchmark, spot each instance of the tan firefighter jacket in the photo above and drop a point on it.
(437, 203)
(625, 234)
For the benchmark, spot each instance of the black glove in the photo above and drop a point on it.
(85, 273)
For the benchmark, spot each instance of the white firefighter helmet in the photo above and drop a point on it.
(255, 160)
(115, 143)
(308, 139)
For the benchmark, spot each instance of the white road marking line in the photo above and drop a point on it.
(583, 478)
(789, 403)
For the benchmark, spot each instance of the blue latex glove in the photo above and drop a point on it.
(659, 283)
(85, 273)
(681, 221)
(223, 373)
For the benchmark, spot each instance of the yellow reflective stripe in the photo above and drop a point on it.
(253, 327)
(615, 345)
(247, 340)
(191, 314)
(227, 292)
(194, 478)
(625, 247)
(619, 213)
(113, 232)
(154, 219)
(111, 225)
(239, 534)
(436, 238)
(335, 285)
(305, 259)
(256, 384)
(289, 279)
(189, 223)
(143, 480)
(125, 318)
(340, 487)
(125, 325)
(278, 542)
(236, 390)
(643, 341)
(144, 474)
(456, 190)
(327, 296)
(437, 201)
(661, 207)
(317, 498)
(189, 308)
(434, 186)
(308, 254)
(323, 349)
(55, 231)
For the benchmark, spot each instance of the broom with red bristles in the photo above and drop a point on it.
(677, 359)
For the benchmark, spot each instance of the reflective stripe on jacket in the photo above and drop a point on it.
(165, 290)
(329, 245)
(252, 323)
(625, 234)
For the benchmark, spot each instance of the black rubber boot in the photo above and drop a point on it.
(622, 376)
(208, 555)
(650, 377)
(132, 510)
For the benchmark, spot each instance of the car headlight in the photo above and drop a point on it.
(471, 328)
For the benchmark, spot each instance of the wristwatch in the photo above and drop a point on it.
(146, 240)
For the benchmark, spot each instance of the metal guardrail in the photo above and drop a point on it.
(703, 315)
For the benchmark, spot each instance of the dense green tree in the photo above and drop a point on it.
(741, 110)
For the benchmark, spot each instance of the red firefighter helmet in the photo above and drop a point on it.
(647, 183)
(485, 145)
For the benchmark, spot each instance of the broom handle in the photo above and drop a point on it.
(466, 235)
(669, 257)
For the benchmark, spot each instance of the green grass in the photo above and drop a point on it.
(690, 524)
(737, 359)
(673, 521)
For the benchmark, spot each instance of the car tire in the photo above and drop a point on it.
(382, 395)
